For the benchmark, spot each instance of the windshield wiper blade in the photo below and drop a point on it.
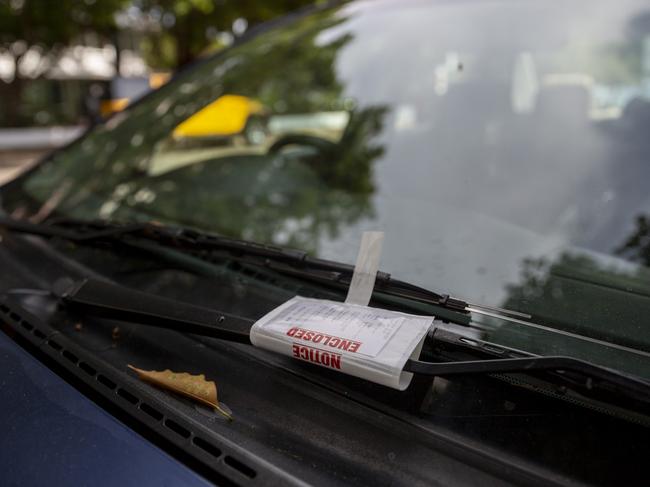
(113, 301)
(288, 261)
(73, 230)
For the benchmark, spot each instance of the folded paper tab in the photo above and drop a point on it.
(365, 270)
(365, 342)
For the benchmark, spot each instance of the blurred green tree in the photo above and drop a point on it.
(187, 28)
(48, 27)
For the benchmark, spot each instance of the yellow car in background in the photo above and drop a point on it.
(227, 116)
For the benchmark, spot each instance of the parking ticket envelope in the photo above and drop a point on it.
(365, 342)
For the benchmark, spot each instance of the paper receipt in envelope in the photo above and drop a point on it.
(365, 342)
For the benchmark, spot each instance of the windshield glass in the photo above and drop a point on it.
(502, 148)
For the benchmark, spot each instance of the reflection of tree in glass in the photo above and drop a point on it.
(285, 70)
(290, 71)
(347, 164)
(285, 198)
(577, 293)
(291, 196)
(637, 246)
(350, 166)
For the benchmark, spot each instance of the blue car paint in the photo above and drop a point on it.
(50, 434)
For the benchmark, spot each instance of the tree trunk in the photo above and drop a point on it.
(183, 32)
(12, 101)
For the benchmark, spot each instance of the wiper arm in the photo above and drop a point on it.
(106, 300)
(112, 301)
(287, 261)
(636, 387)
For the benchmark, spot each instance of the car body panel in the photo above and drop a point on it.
(60, 437)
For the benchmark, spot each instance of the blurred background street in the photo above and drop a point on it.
(67, 65)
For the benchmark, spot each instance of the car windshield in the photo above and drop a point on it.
(501, 147)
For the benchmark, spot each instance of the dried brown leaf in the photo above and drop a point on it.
(193, 386)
